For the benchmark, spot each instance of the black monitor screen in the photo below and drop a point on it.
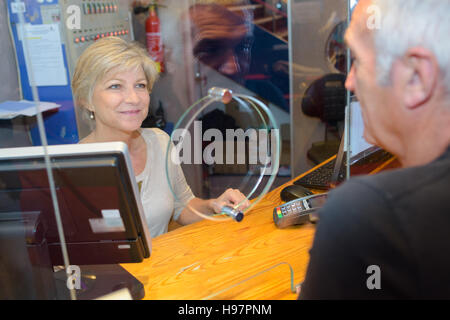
(98, 200)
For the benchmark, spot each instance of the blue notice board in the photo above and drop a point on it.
(49, 65)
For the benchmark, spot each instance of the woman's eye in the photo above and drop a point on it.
(141, 85)
(114, 86)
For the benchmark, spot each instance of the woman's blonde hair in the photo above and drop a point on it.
(102, 57)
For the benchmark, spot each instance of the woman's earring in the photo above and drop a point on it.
(92, 115)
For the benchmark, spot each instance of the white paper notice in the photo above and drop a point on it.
(12, 109)
(45, 55)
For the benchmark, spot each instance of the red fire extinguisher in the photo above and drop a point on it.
(154, 41)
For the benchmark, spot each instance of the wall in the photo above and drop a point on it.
(13, 133)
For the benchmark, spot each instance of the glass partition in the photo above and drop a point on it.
(289, 55)
(238, 45)
(65, 215)
(318, 71)
(32, 238)
(240, 290)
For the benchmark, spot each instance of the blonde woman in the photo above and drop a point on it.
(112, 81)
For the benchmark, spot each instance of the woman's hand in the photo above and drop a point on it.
(231, 198)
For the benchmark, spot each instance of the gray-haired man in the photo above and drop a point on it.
(386, 236)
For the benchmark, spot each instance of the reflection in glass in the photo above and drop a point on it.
(222, 39)
(235, 41)
(336, 50)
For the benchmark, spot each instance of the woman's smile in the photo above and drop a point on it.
(130, 112)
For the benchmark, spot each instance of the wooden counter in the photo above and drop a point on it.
(205, 259)
(252, 259)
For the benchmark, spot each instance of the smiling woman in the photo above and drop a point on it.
(112, 81)
(103, 62)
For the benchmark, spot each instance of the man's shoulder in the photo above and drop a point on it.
(403, 183)
(391, 194)
(365, 197)
(356, 199)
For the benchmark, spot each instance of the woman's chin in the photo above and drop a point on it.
(131, 126)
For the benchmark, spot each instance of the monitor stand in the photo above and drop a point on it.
(99, 280)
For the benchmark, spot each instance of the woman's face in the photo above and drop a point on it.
(120, 101)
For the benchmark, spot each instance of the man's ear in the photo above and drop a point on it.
(421, 76)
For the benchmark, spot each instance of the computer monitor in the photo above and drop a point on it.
(98, 199)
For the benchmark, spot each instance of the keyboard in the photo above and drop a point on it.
(321, 177)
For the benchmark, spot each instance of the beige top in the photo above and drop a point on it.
(158, 201)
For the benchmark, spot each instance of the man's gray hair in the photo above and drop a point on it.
(408, 23)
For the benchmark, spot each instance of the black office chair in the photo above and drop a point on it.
(325, 99)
